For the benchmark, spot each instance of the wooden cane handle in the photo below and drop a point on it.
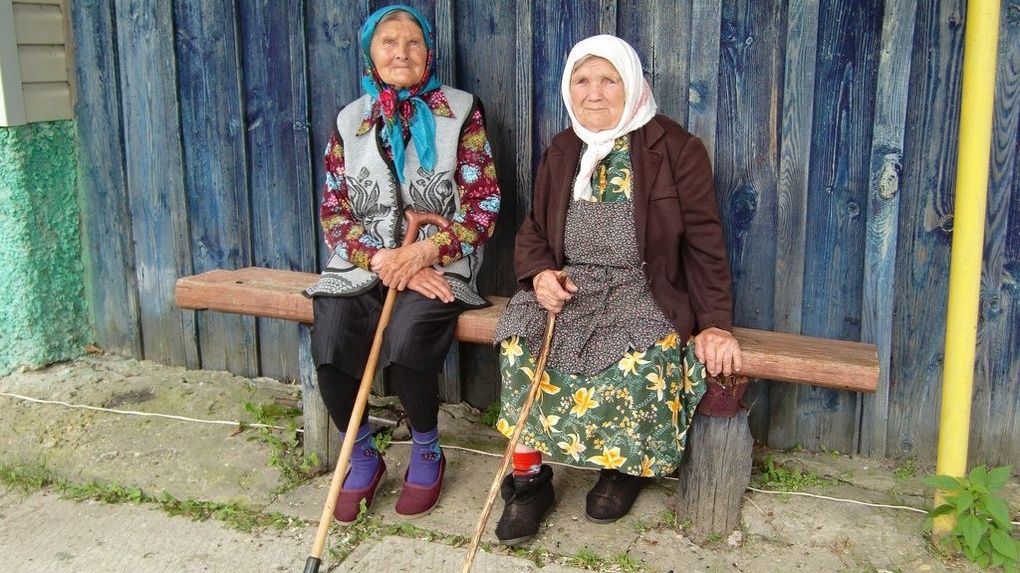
(416, 219)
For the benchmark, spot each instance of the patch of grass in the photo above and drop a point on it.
(777, 477)
(625, 562)
(286, 454)
(622, 562)
(26, 477)
(906, 469)
(347, 537)
(236, 516)
(585, 559)
(106, 493)
(33, 477)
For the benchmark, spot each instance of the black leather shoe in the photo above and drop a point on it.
(613, 496)
(527, 499)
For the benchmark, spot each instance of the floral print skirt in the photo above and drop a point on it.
(633, 416)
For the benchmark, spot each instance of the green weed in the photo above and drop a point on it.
(26, 478)
(237, 516)
(906, 469)
(982, 530)
(491, 415)
(775, 476)
(286, 453)
(382, 439)
(587, 559)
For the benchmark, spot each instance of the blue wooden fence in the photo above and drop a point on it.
(832, 127)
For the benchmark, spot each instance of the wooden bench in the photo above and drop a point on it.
(719, 449)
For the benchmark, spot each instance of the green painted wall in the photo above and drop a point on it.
(43, 315)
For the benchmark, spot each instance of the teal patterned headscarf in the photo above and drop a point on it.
(405, 104)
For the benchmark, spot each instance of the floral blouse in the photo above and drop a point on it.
(469, 228)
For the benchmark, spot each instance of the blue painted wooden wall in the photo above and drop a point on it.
(832, 127)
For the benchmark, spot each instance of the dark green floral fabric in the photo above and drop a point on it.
(632, 417)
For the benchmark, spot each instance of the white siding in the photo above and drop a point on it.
(35, 60)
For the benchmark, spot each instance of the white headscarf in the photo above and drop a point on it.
(638, 109)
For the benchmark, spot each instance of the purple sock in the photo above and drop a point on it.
(425, 457)
(364, 460)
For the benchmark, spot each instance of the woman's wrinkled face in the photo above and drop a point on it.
(399, 52)
(596, 94)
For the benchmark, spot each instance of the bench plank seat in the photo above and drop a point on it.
(270, 293)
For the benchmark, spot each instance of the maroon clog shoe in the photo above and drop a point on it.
(348, 503)
(417, 500)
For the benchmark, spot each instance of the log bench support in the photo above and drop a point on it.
(717, 467)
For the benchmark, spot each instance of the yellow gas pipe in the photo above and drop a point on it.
(976, 105)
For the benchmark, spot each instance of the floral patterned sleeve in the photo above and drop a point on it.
(475, 221)
(344, 235)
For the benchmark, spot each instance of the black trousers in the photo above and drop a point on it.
(414, 347)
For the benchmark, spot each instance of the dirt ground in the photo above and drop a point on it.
(165, 429)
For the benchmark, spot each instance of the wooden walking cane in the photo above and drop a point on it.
(536, 383)
(414, 222)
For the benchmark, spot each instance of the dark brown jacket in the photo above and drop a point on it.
(679, 234)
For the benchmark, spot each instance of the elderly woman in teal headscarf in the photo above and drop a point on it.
(408, 143)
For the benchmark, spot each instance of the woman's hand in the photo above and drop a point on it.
(430, 283)
(396, 267)
(549, 292)
(719, 350)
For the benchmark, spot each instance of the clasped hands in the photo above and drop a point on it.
(410, 267)
(715, 347)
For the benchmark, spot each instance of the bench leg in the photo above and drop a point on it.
(714, 475)
(449, 379)
(320, 434)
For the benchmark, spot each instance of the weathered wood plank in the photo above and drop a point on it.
(110, 260)
(666, 54)
(834, 256)
(276, 121)
(703, 90)
(995, 412)
(925, 220)
(216, 174)
(446, 29)
(892, 87)
(792, 199)
(334, 67)
(746, 163)
(775, 356)
(556, 26)
(155, 176)
(267, 293)
(488, 60)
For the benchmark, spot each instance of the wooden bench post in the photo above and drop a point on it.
(716, 469)
(321, 436)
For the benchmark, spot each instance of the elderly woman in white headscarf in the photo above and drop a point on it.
(624, 208)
